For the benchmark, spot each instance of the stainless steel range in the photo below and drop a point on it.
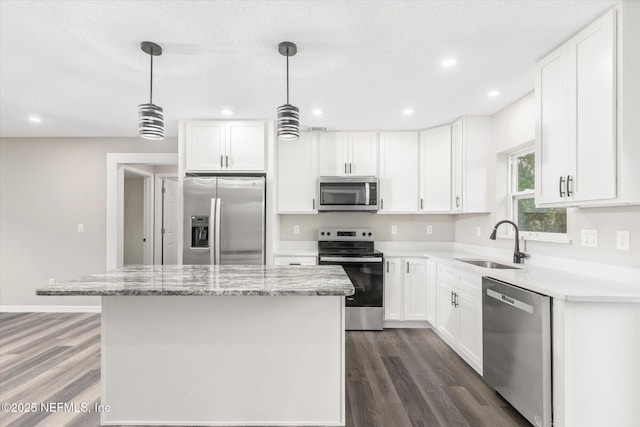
(353, 249)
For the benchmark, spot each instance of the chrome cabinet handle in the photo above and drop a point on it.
(387, 266)
(381, 204)
(314, 204)
(350, 167)
(226, 161)
(221, 161)
(407, 266)
(455, 299)
(421, 203)
(457, 201)
(452, 298)
(294, 263)
(569, 181)
(560, 186)
(345, 168)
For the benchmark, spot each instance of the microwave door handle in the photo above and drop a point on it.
(367, 194)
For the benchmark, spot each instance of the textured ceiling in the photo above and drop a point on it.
(78, 64)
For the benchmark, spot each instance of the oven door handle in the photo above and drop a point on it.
(353, 260)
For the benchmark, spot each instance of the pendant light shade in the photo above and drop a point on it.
(150, 115)
(288, 122)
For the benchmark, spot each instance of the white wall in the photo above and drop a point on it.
(47, 187)
(133, 219)
(513, 127)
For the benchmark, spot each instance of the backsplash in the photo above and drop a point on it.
(409, 227)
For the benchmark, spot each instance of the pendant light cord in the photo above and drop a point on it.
(151, 86)
(287, 75)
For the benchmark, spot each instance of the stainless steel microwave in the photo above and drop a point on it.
(348, 193)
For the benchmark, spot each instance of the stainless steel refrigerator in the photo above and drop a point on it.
(224, 220)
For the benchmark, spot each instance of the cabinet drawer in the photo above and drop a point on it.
(470, 283)
(295, 260)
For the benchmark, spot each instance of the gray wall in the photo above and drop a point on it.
(513, 127)
(133, 219)
(47, 187)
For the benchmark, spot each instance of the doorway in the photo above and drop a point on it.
(166, 219)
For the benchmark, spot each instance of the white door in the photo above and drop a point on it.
(169, 222)
(435, 170)
(363, 153)
(553, 143)
(457, 165)
(393, 289)
(245, 146)
(398, 172)
(297, 175)
(432, 291)
(447, 314)
(333, 154)
(470, 327)
(594, 50)
(205, 146)
(415, 289)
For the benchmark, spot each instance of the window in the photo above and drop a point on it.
(534, 223)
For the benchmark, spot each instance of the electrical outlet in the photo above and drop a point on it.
(394, 229)
(622, 240)
(80, 228)
(478, 232)
(589, 238)
(296, 229)
(52, 281)
(429, 229)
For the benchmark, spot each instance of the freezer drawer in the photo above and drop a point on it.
(516, 326)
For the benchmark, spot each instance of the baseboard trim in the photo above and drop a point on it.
(50, 309)
(407, 324)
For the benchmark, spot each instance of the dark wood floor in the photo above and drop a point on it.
(395, 378)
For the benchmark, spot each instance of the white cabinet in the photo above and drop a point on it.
(587, 131)
(224, 146)
(348, 154)
(435, 170)
(295, 260)
(432, 292)
(405, 289)
(459, 313)
(471, 148)
(298, 175)
(398, 172)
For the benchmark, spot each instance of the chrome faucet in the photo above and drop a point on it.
(517, 255)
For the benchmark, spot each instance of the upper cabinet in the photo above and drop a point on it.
(587, 126)
(398, 172)
(212, 146)
(471, 147)
(348, 154)
(297, 174)
(435, 170)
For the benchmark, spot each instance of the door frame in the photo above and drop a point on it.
(115, 198)
(159, 208)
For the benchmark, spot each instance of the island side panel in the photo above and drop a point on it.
(234, 360)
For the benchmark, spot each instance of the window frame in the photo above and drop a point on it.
(513, 195)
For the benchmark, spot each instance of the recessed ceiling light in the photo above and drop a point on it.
(493, 93)
(227, 112)
(318, 112)
(35, 119)
(449, 62)
(407, 111)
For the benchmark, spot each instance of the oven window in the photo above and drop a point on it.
(368, 281)
(342, 194)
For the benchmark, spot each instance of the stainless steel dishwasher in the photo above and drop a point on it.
(516, 332)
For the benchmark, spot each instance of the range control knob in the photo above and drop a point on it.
(328, 233)
(364, 234)
(322, 233)
(369, 234)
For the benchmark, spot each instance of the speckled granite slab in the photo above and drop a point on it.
(210, 280)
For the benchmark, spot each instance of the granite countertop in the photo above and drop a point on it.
(209, 280)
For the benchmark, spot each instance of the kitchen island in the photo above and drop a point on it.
(220, 345)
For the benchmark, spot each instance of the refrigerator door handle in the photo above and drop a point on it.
(217, 231)
(212, 232)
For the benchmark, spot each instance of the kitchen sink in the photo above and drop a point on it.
(486, 263)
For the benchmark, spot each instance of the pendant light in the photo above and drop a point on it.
(288, 123)
(151, 116)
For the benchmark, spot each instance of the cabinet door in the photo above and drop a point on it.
(432, 291)
(245, 146)
(297, 175)
(552, 128)
(594, 53)
(447, 314)
(398, 172)
(457, 165)
(435, 170)
(333, 154)
(205, 146)
(470, 327)
(415, 289)
(363, 153)
(393, 289)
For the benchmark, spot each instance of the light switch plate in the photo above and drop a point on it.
(80, 228)
(394, 229)
(429, 229)
(296, 229)
(589, 238)
(52, 281)
(622, 240)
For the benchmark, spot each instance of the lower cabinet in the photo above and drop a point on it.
(405, 289)
(295, 260)
(459, 313)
